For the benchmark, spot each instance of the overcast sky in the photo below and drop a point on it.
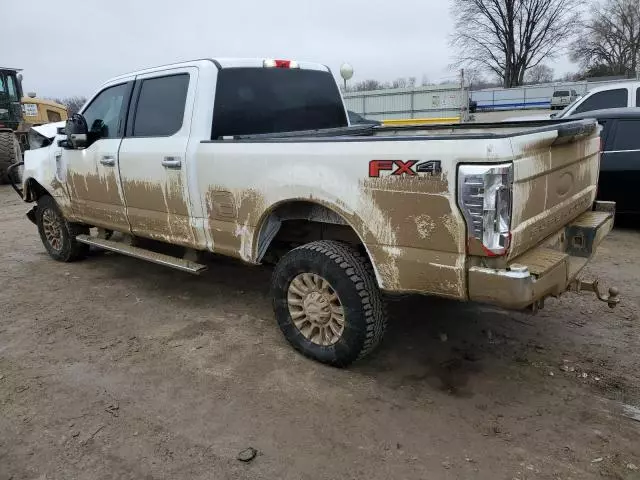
(69, 47)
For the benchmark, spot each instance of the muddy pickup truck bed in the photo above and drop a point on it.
(255, 159)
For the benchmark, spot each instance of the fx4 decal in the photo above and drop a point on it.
(401, 168)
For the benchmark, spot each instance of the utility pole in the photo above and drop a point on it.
(463, 108)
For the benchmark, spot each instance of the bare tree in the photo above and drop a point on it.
(539, 74)
(367, 85)
(474, 76)
(571, 77)
(508, 37)
(610, 40)
(73, 104)
(399, 83)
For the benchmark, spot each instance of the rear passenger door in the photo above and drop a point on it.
(620, 164)
(153, 170)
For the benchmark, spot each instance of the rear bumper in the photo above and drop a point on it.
(547, 270)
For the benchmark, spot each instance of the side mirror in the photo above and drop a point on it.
(77, 131)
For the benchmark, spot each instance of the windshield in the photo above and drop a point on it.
(566, 109)
(9, 87)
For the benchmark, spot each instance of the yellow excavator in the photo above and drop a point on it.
(17, 115)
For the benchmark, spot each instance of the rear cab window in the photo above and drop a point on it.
(273, 100)
(602, 100)
(561, 93)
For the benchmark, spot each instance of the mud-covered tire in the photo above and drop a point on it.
(351, 277)
(57, 234)
(9, 150)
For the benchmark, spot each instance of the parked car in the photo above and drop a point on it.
(562, 98)
(357, 119)
(254, 159)
(614, 95)
(620, 163)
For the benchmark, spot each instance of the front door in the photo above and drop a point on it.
(153, 169)
(92, 173)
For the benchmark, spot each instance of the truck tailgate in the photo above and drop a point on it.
(555, 180)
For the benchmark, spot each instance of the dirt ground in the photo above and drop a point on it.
(115, 368)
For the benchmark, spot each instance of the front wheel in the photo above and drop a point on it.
(327, 303)
(57, 234)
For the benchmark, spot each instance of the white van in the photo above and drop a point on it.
(563, 98)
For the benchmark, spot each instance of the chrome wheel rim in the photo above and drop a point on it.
(52, 227)
(315, 309)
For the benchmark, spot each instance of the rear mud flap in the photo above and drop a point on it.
(31, 215)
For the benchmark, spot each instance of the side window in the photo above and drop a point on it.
(13, 91)
(637, 97)
(160, 107)
(626, 135)
(602, 100)
(53, 116)
(105, 112)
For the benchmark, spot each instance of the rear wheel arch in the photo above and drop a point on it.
(334, 226)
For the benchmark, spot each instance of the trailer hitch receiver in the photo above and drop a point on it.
(579, 285)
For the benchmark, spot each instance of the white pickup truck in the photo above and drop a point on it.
(255, 159)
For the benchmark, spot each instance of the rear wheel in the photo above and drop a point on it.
(57, 234)
(327, 303)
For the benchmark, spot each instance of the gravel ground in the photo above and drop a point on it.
(114, 368)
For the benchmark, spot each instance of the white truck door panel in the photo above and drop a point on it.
(91, 174)
(152, 159)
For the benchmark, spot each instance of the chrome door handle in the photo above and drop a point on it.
(172, 162)
(108, 161)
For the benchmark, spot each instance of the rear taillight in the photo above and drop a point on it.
(270, 63)
(485, 198)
